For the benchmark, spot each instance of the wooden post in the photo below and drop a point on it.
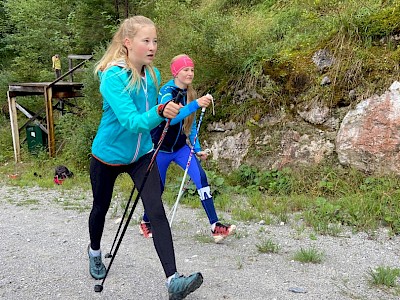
(70, 66)
(48, 95)
(14, 127)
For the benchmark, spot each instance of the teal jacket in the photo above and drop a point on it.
(128, 116)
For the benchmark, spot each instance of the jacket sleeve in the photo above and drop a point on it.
(165, 95)
(185, 111)
(124, 102)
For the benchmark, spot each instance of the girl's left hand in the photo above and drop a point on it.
(205, 100)
(203, 155)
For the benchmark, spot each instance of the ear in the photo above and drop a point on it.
(127, 43)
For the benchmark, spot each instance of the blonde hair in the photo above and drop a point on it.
(117, 51)
(190, 96)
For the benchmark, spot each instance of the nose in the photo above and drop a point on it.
(152, 46)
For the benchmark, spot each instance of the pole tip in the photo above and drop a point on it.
(98, 288)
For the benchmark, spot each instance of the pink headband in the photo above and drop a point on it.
(180, 63)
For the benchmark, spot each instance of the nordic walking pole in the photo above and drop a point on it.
(208, 151)
(181, 191)
(109, 254)
(99, 287)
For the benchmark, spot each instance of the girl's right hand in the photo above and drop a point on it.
(171, 109)
(205, 100)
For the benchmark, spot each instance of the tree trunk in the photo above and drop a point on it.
(116, 5)
(126, 8)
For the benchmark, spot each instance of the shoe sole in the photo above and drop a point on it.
(194, 285)
(219, 238)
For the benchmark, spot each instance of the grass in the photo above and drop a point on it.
(239, 263)
(268, 246)
(384, 276)
(28, 202)
(204, 238)
(347, 198)
(310, 255)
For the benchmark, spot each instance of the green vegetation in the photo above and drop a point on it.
(268, 246)
(310, 255)
(385, 276)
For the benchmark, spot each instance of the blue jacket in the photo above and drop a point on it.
(175, 137)
(128, 116)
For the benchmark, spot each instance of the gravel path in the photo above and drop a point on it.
(43, 240)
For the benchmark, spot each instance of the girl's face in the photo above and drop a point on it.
(184, 77)
(142, 47)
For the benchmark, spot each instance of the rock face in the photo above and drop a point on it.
(369, 136)
(232, 148)
(315, 113)
(303, 149)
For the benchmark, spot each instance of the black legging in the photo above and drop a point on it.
(103, 178)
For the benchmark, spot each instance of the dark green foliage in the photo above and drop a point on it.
(39, 32)
(380, 23)
(6, 146)
(5, 29)
(228, 4)
(77, 133)
(36, 30)
(272, 181)
(91, 23)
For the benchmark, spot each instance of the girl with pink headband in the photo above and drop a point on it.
(180, 62)
(175, 148)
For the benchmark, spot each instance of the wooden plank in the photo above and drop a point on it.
(60, 89)
(50, 122)
(80, 56)
(28, 115)
(14, 127)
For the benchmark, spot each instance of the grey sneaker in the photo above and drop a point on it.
(96, 267)
(181, 286)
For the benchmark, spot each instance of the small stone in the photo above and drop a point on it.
(395, 86)
(325, 81)
(297, 290)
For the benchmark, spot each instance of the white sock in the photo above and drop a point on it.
(213, 226)
(169, 279)
(94, 252)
